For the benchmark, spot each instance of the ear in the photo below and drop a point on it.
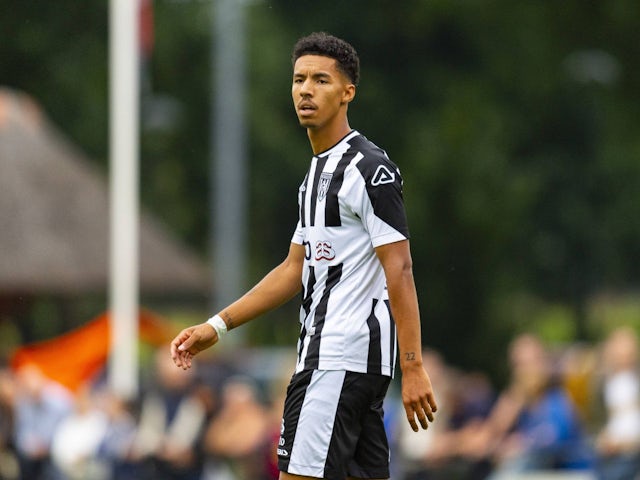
(349, 93)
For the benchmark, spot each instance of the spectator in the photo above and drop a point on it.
(578, 369)
(172, 419)
(9, 469)
(75, 443)
(114, 450)
(534, 425)
(241, 431)
(40, 405)
(618, 443)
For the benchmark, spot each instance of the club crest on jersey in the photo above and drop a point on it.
(383, 176)
(323, 185)
(324, 251)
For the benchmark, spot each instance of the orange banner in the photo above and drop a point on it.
(76, 357)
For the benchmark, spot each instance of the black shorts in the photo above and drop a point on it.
(333, 427)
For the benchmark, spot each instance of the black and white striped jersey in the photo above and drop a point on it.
(350, 202)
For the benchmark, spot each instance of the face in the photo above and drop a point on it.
(320, 91)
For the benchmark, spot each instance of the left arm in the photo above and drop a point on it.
(417, 393)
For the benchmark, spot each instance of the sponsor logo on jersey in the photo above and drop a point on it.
(324, 251)
(282, 452)
(323, 185)
(383, 176)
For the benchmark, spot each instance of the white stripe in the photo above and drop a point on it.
(315, 425)
(309, 192)
(359, 156)
(384, 320)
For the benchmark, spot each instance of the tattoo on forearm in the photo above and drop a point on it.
(228, 320)
(410, 355)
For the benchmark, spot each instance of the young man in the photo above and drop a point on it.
(350, 257)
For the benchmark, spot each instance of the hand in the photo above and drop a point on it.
(191, 341)
(417, 396)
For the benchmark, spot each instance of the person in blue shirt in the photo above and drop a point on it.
(534, 425)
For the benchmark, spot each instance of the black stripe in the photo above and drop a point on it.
(306, 305)
(303, 196)
(392, 337)
(358, 440)
(313, 353)
(332, 210)
(308, 291)
(314, 193)
(374, 360)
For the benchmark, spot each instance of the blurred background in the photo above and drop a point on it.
(516, 125)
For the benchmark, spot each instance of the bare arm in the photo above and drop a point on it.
(417, 393)
(276, 288)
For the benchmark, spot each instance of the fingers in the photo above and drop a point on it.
(432, 403)
(428, 406)
(411, 418)
(179, 350)
(423, 410)
(191, 341)
(422, 418)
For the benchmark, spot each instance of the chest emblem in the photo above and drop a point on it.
(323, 185)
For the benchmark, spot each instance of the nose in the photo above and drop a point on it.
(305, 88)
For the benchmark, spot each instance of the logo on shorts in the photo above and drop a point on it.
(323, 185)
(281, 451)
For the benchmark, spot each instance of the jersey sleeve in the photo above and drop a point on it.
(379, 202)
(298, 234)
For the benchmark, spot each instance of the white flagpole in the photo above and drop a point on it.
(124, 153)
(228, 159)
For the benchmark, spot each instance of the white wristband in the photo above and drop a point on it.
(218, 325)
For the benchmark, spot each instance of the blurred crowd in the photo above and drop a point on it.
(574, 409)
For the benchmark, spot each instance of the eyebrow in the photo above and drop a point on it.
(315, 75)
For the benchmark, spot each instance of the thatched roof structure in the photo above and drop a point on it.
(54, 217)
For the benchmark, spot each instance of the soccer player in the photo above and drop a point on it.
(350, 259)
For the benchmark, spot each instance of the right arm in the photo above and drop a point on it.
(277, 287)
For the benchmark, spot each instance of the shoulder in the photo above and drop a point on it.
(373, 162)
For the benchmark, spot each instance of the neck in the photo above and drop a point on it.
(323, 139)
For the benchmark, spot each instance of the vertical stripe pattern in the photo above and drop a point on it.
(313, 354)
(320, 163)
(332, 209)
(350, 203)
(374, 359)
(315, 424)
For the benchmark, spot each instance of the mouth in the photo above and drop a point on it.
(306, 108)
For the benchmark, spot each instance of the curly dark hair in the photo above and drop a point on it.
(326, 45)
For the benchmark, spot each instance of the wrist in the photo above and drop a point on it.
(218, 325)
(410, 360)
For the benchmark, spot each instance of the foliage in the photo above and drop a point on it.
(515, 123)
